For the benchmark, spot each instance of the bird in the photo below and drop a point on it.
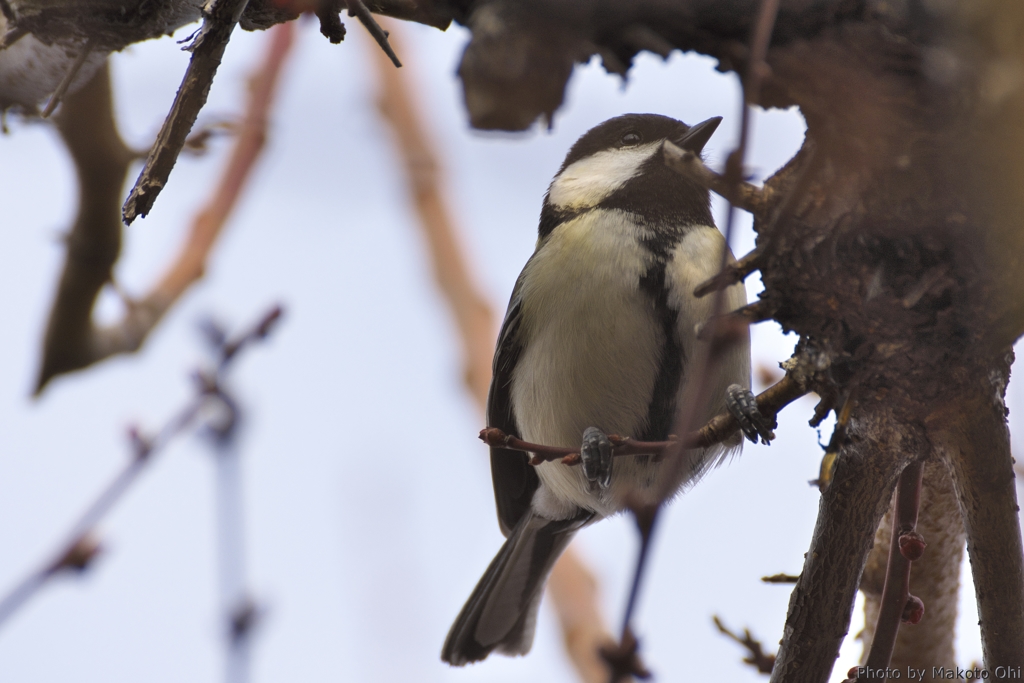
(599, 338)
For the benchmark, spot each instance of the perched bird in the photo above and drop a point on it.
(598, 339)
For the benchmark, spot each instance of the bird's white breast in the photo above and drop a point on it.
(592, 345)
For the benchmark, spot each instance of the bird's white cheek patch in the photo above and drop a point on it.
(585, 183)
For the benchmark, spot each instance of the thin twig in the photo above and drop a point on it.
(69, 77)
(189, 266)
(719, 428)
(717, 329)
(646, 517)
(207, 52)
(357, 9)
(711, 352)
(86, 122)
(80, 547)
(745, 195)
(781, 578)
(934, 578)
(240, 612)
(733, 273)
(906, 545)
(756, 656)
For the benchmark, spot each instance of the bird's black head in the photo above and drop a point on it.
(618, 165)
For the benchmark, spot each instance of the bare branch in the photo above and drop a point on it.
(726, 336)
(748, 197)
(65, 83)
(86, 124)
(975, 444)
(720, 428)
(781, 578)
(935, 578)
(905, 546)
(574, 591)
(473, 313)
(733, 273)
(190, 264)
(81, 546)
(848, 515)
(72, 339)
(207, 51)
(756, 656)
(357, 9)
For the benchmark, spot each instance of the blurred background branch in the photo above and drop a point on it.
(73, 340)
(82, 545)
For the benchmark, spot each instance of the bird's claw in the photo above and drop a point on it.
(596, 456)
(743, 406)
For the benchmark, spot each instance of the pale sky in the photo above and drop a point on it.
(362, 544)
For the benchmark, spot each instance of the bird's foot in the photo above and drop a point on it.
(743, 406)
(596, 455)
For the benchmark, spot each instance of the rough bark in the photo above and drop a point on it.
(822, 601)
(973, 439)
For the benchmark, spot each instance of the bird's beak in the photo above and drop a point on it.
(699, 134)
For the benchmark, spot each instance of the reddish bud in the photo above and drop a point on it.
(80, 555)
(913, 611)
(271, 317)
(912, 545)
(492, 436)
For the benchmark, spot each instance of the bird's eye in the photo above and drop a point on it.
(631, 138)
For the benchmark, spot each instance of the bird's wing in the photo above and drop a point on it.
(514, 478)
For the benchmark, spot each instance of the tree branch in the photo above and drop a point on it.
(190, 264)
(972, 438)
(756, 656)
(720, 428)
(896, 596)
(207, 50)
(453, 274)
(748, 197)
(935, 578)
(822, 600)
(101, 159)
(81, 546)
(72, 339)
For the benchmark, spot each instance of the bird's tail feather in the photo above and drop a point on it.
(502, 611)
